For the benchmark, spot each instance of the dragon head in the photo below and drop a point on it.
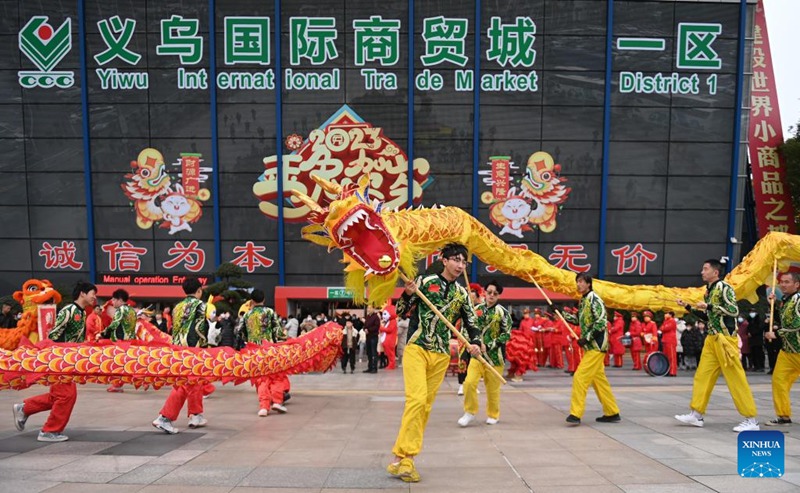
(36, 292)
(542, 178)
(354, 224)
(149, 171)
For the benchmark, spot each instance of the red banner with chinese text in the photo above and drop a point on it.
(190, 174)
(501, 166)
(774, 211)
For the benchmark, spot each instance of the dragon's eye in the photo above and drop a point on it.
(33, 288)
(546, 176)
(145, 173)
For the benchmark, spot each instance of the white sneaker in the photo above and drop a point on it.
(690, 419)
(466, 419)
(19, 416)
(52, 437)
(164, 425)
(197, 421)
(280, 408)
(749, 424)
(460, 390)
(491, 421)
(263, 412)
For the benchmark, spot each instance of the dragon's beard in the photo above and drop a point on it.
(380, 287)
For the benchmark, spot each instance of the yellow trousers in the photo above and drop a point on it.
(592, 371)
(711, 364)
(786, 371)
(475, 372)
(423, 372)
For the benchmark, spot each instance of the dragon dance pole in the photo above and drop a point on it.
(453, 329)
(549, 302)
(772, 301)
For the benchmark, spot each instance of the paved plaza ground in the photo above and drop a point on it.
(340, 428)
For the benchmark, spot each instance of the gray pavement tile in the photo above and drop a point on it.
(92, 435)
(287, 477)
(566, 475)
(184, 488)
(25, 485)
(205, 475)
(21, 442)
(666, 488)
(37, 462)
(240, 458)
(709, 466)
(481, 479)
(177, 457)
(656, 474)
(603, 488)
(75, 475)
(154, 443)
(110, 463)
(94, 488)
(145, 474)
(735, 484)
(73, 447)
(360, 478)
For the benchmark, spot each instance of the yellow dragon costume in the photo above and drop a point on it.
(377, 243)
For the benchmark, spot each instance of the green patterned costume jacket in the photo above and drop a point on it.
(123, 327)
(452, 300)
(722, 310)
(189, 325)
(593, 321)
(790, 323)
(70, 325)
(495, 326)
(263, 324)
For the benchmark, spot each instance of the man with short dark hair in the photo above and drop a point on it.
(720, 352)
(70, 327)
(123, 325)
(594, 340)
(494, 322)
(190, 329)
(427, 354)
(787, 368)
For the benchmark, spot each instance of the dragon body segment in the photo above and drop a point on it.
(376, 243)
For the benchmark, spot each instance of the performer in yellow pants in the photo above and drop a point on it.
(427, 354)
(712, 362)
(720, 352)
(494, 322)
(592, 372)
(787, 368)
(423, 372)
(475, 372)
(593, 320)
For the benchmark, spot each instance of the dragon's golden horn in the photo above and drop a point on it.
(308, 201)
(326, 185)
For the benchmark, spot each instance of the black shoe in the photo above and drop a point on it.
(779, 422)
(351, 371)
(573, 420)
(373, 371)
(367, 371)
(286, 397)
(614, 418)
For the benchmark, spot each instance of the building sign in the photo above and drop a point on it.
(694, 51)
(774, 211)
(151, 280)
(45, 47)
(339, 294)
(535, 204)
(342, 150)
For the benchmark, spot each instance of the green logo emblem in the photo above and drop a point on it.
(45, 47)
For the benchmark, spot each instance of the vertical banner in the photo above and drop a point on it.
(501, 166)
(46, 320)
(774, 211)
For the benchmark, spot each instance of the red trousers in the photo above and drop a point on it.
(617, 361)
(671, 350)
(179, 395)
(209, 389)
(556, 358)
(607, 359)
(59, 401)
(571, 364)
(270, 391)
(636, 356)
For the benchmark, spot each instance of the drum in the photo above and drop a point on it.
(656, 364)
(626, 341)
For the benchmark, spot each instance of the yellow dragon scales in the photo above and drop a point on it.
(377, 243)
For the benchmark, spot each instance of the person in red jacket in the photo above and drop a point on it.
(540, 356)
(635, 331)
(616, 332)
(390, 342)
(669, 339)
(94, 323)
(574, 351)
(649, 334)
(557, 342)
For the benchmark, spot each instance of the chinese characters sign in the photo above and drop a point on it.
(342, 150)
(774, 211)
